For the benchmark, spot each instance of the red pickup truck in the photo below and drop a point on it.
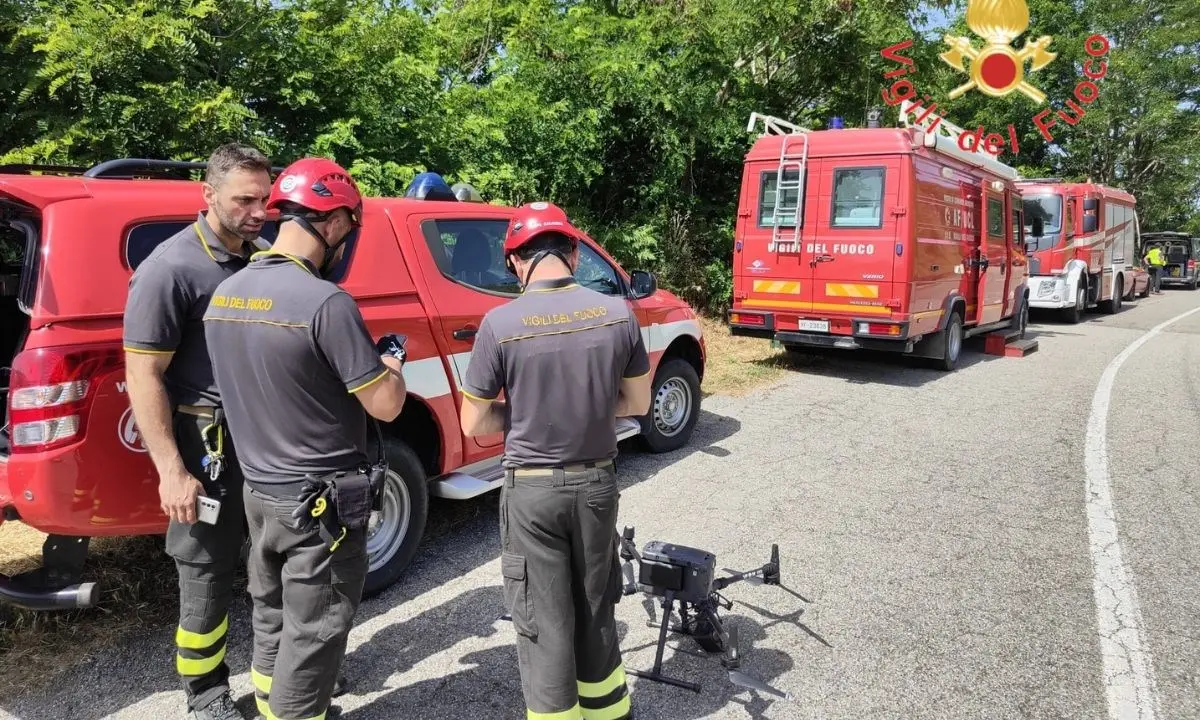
(71, 460)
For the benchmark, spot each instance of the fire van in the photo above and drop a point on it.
(1083, 242)
(429, 266)
(892, 239)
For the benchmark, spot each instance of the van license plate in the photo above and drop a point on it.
(815, 325)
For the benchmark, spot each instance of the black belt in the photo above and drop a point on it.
(551, 470)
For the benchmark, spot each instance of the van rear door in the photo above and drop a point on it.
(853, 261)
(775, 277)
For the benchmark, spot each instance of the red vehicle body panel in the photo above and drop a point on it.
(102, 482)
(894, 259)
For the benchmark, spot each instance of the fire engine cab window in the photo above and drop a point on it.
(142, 239)
(772, 209)
(471, 253)
(995, 213)
(857, 197)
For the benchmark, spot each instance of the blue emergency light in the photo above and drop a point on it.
(835, 123)
(429, 186)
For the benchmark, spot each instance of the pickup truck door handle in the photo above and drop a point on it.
(465, 333)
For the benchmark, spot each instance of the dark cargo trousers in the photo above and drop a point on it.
(562, 579)
(294, 575)
(206, 559)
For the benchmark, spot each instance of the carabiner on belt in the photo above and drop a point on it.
(214, 458)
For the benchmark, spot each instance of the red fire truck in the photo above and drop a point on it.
(878, 238)
(1083, 242)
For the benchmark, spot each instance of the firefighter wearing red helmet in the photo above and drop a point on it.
(300, 374)
(570, 361)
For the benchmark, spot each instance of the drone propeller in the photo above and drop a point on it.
(743, 680)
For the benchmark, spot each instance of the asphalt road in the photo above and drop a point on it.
(939, 559)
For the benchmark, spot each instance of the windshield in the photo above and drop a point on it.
(1049, 209)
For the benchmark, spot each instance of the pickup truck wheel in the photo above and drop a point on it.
(395, 531)
(674, 406)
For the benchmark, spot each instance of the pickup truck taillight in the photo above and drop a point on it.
(1191, 265)
(51, 392)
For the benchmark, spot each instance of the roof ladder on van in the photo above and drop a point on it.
(790, 158)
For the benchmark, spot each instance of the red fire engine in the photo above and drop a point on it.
(878, 238)
(1083, 243)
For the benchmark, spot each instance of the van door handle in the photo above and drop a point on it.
(465, 333)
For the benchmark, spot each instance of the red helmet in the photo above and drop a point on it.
(318, 184)
(533, 219)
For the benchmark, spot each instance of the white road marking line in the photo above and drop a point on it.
(1128, 667)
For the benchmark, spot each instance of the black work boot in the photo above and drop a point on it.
(222, 708)
(339, 687)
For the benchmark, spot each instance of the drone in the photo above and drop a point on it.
(685, 575)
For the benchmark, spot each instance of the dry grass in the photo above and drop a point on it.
(137, 588)
(737, 365)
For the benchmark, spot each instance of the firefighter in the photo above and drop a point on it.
(570, 361)
(177, 408)
(292, 356)
(1154, 258)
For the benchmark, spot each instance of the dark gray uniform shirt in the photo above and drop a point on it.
(289, 349)
(164, 310)
(559, 352)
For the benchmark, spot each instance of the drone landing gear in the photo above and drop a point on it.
(703, 624)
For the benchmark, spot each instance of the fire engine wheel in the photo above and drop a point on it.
(1074, 314)
(1023, 320)
(395, 530)
(674, 406)
(952, 343)
(1113, 306)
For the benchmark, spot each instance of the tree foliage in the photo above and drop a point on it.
(629, 113)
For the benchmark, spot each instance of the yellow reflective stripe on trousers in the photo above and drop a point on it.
(572, 714)
(199, 666)
(617, 710)
(200, 641)
(599, 689)
(266, 712)
(260, 681)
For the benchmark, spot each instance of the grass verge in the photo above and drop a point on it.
(137, 588)
(737, 365)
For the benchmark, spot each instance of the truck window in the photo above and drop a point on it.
(595, 273)
(857, 198)
(1069, 218)
(1049, 208)
(1017, 231)
(767, 215)
(995, 219)
(471, 253)
(141, 239)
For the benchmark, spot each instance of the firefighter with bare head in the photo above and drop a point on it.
(177, 408)
(570, 361)
(300, 373)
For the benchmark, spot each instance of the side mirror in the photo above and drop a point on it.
(1037, 227)
(1090, 222)
(643, 284)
